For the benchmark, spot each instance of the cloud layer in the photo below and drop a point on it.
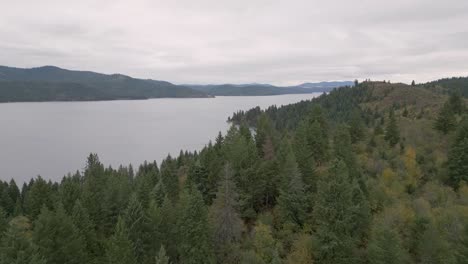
(218, 41)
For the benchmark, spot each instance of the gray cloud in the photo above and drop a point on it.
(215, 41)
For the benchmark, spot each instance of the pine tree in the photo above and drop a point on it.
(94, 184)
(304, 157)
(145, 181)
(159, 192)
(292, 202)
(57, 238)
(458, 157)
(85, 227)
(194, 234)
(445, 121)
(334, 213)
(456, 102)
(120, 249)
(16, 245)
(224, 218)
(135, 222)
(38, 195)
(356, 127)
(170, 178)
(392, 133)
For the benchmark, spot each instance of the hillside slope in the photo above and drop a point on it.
(266, 89)
(358, 175)
(55, 84)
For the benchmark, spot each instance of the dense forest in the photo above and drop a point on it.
(266, 89)
(376, 173)
(50, 83)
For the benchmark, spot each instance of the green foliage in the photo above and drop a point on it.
(57, 238)
(306, 188)
(335, 216)
(292, 202)
(50, 83)
(386, 247)
(194, 234)
(161, 258)
(445, 121)
(458, 157)
(392, 133)
(224, 218)
(16, 246)
(120, 249)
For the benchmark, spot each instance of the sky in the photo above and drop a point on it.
(241, 41)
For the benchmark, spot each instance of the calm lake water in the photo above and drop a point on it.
(54, 138)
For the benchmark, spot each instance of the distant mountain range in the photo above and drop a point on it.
(50, 83)
(267, 89)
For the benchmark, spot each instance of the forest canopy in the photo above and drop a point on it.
(376, 173)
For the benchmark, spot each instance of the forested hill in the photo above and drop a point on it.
(55, 84)
(376, 173)
(448, 84)
(266, 89)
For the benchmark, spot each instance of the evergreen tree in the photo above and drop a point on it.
(93, 196)
(38, 195)
(458, 157)
(445, 121)
(356, 127)
(57, 238)
(334, 213)
(194, 234)
(16, 246)
(159, 192)
(135, 222)
(120, 249)
(304, 157)
(146, 179)
(317, 135)
(456, 102)
(85, 227)
(392, 133)
(70, 191)
(170, 178)
(292, 202)
(224, 218)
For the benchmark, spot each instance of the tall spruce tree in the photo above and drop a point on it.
(292, 201)
(334, 214)
(16, 246)
(86, 230)
(445, 121)
(194, 234)
(392, 133)
(120, 249)
(458, 156)
(224, 218)
(57, 238)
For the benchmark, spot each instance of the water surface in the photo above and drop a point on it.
(53, 138)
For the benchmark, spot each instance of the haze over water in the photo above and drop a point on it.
(53, 138)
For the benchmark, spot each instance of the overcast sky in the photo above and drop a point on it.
(240, 41)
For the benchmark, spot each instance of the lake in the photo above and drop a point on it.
(53, 138)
